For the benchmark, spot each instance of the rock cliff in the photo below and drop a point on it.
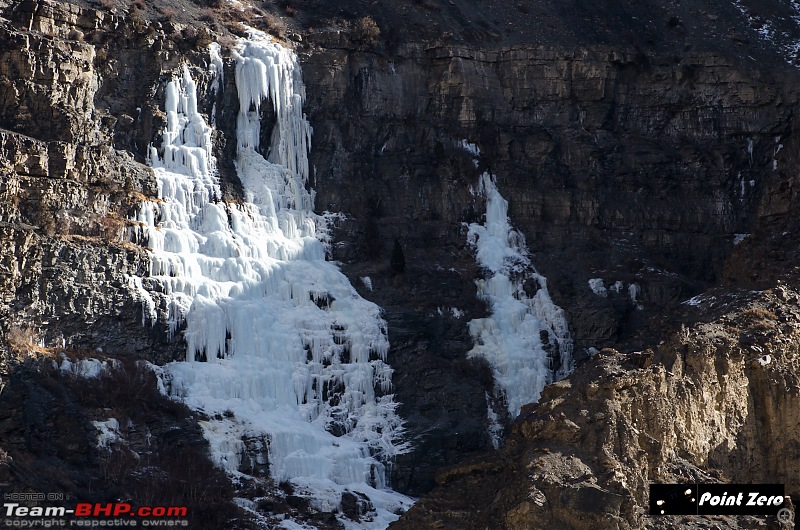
(648, 148)
(638, 170)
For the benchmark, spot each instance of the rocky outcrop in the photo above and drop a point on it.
(108, 437)
(617, 165)
(76, 120)
(713, 403)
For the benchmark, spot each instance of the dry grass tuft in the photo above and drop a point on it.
(25, 342)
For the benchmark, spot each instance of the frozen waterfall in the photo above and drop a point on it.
(523, 333)
(275, 334)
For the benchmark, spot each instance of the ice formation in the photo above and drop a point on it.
(633, 291)
(367, 281)
(280, 347)
(107, 432)
(88, 368)
(522, 333)
(597, 287)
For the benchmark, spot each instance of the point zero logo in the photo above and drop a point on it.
(716, 499)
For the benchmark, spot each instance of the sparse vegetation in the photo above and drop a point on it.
(193, 37)
(110, 226)
(366, 32)
(758, 313)
(23, 340)
(758, 319)
(164, 467)
(288, 8)
(136, 18)
(169, 13)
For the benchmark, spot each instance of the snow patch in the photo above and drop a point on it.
(472, 149)
(495, 429)
(367, 281)
(787, 44)
(469, 147)
(697, 301)
(778, 147)
(87, 368)
(634, 290)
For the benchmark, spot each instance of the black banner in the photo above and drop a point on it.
(716, 499)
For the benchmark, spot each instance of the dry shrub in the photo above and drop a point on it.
(135, 197)
(236, 20)
(758, 313)
(195, 37)
(226, 42)
(128, 390)
(172, 474)
(208, 14)
(136, 18)
(169, 13)
(23, 340)
(288, 8)
(237, 28)
(366, 32)
(110, 226)
(275, 26)
(758, 319)
(172, 467)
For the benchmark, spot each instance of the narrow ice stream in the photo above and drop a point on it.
(525, 332)
(275, 334)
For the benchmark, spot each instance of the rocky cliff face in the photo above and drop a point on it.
(70, 87)
(75, 119)
(712, 403)
(636, 154)
(618, 166)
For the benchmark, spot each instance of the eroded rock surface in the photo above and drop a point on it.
(713, 403)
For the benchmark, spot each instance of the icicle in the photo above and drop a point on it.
(245, 283)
